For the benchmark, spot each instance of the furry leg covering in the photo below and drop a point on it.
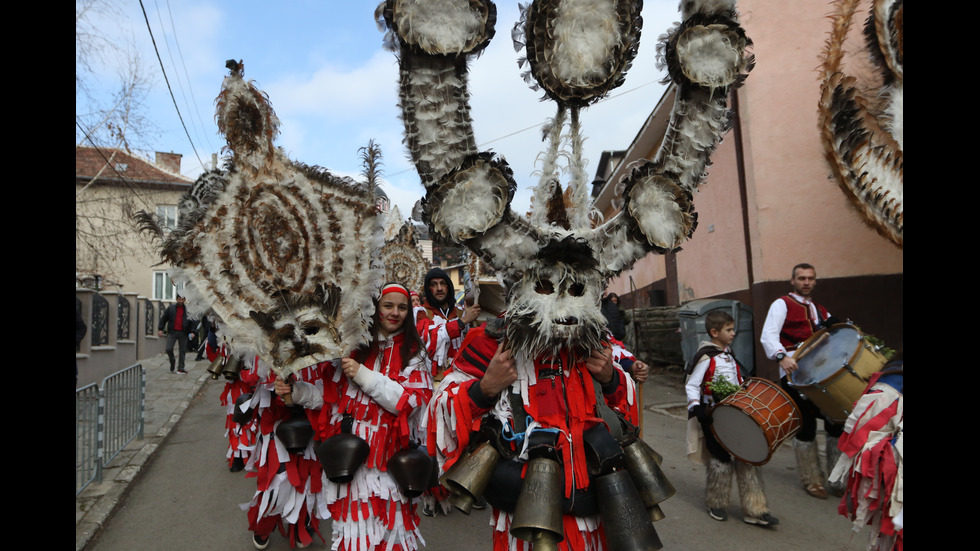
(807, 462)
(833, 453)
(751, 489)
(719, 484)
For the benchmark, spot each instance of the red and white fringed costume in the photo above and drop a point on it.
(288, 485)
(871, 464)
(442, 339)
(386, 398)
(241, 437)
(566, 403)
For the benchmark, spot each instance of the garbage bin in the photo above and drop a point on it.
(691, 317)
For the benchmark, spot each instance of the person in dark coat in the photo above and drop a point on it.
(179, 328)
(615, 318)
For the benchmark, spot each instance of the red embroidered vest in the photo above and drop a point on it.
(798, 326)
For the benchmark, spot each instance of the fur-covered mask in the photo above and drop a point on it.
(553, 306)
(280, 251)
(557, 261)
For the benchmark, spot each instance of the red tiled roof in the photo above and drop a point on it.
(89, 160)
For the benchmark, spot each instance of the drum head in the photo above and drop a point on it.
(740, 434)
(826, 356)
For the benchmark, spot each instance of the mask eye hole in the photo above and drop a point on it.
(544, 287)
(311, 329)
(576, 289)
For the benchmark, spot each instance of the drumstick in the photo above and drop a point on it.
(639, 403)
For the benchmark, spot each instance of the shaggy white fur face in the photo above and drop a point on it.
(555, 307)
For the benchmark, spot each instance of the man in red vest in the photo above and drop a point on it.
(792, 319)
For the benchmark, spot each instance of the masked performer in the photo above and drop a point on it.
(260, 244)
(538, 402)
(871, 464)
(376, 395)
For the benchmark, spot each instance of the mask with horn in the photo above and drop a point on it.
(556, 261)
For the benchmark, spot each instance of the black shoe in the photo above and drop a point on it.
(182, 372)
(260, 543)
(763, 520)
(237, 464)
(480, 503)
(427, 511)
(718, 514)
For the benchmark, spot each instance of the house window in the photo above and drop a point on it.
(168, 216)
(163, 286)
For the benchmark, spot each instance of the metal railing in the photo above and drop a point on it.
(107, 418)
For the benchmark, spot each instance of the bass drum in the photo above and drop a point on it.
(835, 365)
(752, 422)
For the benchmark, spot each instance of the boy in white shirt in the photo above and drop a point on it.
(712, 361)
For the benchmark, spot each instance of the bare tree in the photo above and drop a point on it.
(105, 236)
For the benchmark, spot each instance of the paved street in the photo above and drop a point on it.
(174, 490)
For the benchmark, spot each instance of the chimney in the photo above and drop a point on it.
(169, 161)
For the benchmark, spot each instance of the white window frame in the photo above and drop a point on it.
(167, 214)
(163, 286)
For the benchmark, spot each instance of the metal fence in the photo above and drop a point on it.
(107, 418)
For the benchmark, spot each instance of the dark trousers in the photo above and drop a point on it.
(809, 413)
(180, 338)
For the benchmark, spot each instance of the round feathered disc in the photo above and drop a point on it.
(581, 49)
(708, 51)
(471, 199)
(442, 27)
(662, 210)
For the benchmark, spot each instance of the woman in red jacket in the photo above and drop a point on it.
(378, 394)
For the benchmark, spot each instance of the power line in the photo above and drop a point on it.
(157, 51)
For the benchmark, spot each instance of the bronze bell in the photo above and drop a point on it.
(647, 476)
(656, 513)
(341, 455)
(468, 478)
(412, 470)
(232, 368)
(537, 518)
(239, 416)
(216, 366)
(627, 522)
(295, 433)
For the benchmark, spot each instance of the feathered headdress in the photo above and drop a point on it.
(555, 262)
(861, 130)
(282, 252)
(401, 254)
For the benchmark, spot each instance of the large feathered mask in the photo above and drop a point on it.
(285, 254)
(556, 262)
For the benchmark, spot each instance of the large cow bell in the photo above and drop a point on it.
(650, 481)
(412, 470)
(537, 518)
(241, 416)
(627, 522)
(295, 433)
(468, 478)
(232, 368)
(341, 455)
(216, 367)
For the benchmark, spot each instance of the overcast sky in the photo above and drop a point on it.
(334, 88)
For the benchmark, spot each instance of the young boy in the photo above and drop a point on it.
(713, 360)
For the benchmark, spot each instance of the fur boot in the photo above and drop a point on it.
(808, 465)
(833, 454)
(719, 484)
(751, 490)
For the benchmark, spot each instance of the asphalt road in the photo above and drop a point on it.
(185, 497)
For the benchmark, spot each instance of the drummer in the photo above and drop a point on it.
(792, 319)
(712, 361)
